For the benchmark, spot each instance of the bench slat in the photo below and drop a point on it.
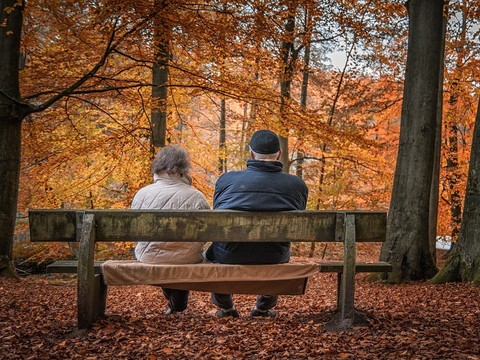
(70, 267)
(206, 225)
(337, 267)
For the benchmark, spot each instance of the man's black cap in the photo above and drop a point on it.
(265, 142)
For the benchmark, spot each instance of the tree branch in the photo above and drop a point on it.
(111, 46)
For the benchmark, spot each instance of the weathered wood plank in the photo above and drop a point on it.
(205, 225)
(52, 225)
(370, 226)
(69, 267)
(100, 296)
(360, 267)
(347, 287)
(86, 307)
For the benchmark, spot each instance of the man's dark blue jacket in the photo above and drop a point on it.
(263, 186)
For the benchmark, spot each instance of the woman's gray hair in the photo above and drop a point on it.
(172, 159)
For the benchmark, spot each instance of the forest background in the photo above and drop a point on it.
(208, 74)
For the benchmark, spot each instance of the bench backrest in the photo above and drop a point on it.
(207, 225)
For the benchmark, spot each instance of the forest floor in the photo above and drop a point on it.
(407, 321)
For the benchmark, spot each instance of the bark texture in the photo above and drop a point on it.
(463, 263)
(160, 75)
(12, 112)
(289, 57)
(407, 246)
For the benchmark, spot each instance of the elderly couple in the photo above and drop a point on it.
(263, 186)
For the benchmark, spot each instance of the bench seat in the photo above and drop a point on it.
(278, 279)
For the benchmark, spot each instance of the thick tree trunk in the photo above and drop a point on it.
(434, 191)
(463, 263)
(10, 141)
(12, 112)
(407, 246)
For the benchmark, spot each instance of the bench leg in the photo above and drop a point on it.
(86, 311)
(339, 291)
(344, 319)
(100, 300)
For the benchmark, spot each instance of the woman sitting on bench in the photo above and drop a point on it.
(171, 189)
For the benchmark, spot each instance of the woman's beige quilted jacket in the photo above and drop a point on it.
(169, 192)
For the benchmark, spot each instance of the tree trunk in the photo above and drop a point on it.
(247, 125)
(289, 56)
(10, 142)
(407, 245)
(12, 112)
(160, 75)
(463, 263)
(434, 190)
(454, 174)
(304, 92)
(222, 158)
(331, 114)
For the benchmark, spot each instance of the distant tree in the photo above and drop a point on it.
(289, 57)
(222, 161)
(162, 33)
(462, 52)
(463, 262)
(407, 245)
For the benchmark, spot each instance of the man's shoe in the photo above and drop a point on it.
(224, 313)
(263, 313)
(169, 311)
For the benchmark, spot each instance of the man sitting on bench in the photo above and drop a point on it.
(263, 186)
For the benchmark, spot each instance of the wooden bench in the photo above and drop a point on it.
(91, 226)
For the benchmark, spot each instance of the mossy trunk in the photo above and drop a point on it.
(457, 268)
(463, 263)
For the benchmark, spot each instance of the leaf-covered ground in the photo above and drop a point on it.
(408, 321)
